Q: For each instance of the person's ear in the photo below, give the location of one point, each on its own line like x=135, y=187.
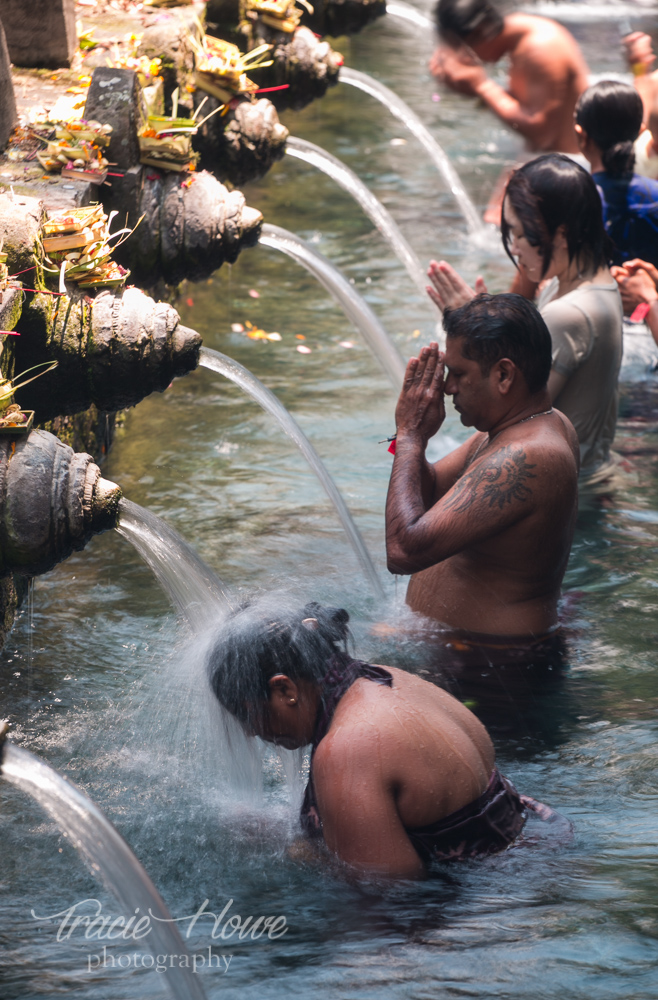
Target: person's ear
x=560, y=238
x=504, y=375
x=582, y=136
x=283, y=689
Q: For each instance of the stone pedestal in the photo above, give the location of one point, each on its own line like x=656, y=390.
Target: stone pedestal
x=20, y=224
x=40, y=32
x=8, y=115
x=115, y=98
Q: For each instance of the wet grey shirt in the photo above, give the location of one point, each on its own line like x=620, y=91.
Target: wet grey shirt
x=586, y=331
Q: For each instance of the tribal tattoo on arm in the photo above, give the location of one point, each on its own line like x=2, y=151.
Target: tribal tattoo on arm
x=499, y=479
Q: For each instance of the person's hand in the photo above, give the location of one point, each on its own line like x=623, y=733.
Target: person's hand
x=460, y=69
x=636, y=285
x=421, y=406
x=448, y=289
x=635, y=265
x=639, y=50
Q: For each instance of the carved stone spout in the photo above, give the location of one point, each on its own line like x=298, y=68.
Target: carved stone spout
x=112, y=351
x=52, y=500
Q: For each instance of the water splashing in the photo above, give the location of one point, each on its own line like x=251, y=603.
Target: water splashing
x=230, y=369
x=403, y=112
x=353, y=305
x=379, y=216
x=106, y=853
x=194, y=590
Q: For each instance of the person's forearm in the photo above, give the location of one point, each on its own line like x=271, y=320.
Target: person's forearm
x=408, y=499
x=509, y=110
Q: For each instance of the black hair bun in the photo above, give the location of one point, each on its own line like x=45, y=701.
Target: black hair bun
x=332, y=621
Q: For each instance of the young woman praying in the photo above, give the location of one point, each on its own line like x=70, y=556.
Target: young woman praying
x=552, y=228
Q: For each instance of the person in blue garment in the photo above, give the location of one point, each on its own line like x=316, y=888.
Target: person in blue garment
x=608, y=121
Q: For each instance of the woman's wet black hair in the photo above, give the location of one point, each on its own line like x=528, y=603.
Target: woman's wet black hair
x=260, y=640
x=478, y=20
x=553, y=191
x=610, y=112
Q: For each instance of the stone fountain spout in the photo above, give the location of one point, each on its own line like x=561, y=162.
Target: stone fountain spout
x=104, y=506
x=52, y=500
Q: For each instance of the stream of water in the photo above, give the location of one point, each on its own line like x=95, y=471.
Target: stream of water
x=404, y=11
x=354, y=306
x=310, y=153
x=230, y=369
x=193, y=588
x=410, y=120
x=117, y=700
x=111, y=860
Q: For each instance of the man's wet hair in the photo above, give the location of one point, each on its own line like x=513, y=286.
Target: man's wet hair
x=264, y=638
x=610, y=112
x=478, y=20
x=492, y=327
x=552, y=191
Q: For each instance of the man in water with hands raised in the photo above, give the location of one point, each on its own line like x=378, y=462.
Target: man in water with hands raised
x=486, y=531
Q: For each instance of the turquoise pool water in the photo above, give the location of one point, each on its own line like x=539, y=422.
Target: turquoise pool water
x=102, y=682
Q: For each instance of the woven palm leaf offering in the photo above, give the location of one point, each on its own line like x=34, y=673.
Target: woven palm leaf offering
x=77, y=151
x=76, y=247
x=221, y=69
x=14, y=420
x=166, y=140
x=282, y=15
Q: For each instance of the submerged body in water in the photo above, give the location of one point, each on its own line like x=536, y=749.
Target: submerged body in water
x=401, y=772
x=486, y=531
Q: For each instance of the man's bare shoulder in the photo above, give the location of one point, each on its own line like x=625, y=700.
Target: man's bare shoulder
x=546, y=440
x=518, y=466
x=545, y=41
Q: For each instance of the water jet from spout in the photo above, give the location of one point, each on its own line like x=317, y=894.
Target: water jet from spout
x=234, y=371
x=403, y=112
x=106, y=853
x=330, y=165
x=405, y=12
x=353, y=305
x=194, y=590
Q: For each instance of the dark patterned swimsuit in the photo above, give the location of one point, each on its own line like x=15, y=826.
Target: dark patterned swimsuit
x=488, y=824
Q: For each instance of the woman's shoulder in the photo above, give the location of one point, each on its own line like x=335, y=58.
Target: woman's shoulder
x=587, y=296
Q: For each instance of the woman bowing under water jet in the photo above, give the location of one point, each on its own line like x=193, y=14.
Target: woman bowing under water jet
x=402, y=774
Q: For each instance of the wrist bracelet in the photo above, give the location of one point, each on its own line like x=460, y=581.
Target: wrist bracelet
x=640, y=312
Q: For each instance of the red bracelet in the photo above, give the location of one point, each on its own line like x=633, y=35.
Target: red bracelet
x=640, y=312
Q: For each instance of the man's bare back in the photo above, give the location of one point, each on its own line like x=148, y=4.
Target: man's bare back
x=547, y=75
x=486, y=532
